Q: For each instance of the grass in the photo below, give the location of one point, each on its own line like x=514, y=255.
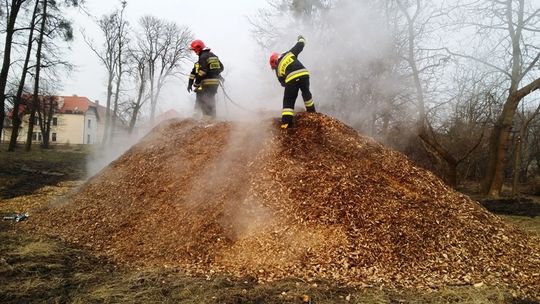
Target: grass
x=38, y=269
x=23, y=173
x=530, y=224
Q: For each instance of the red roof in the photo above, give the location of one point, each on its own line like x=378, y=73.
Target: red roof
x=79, y=104
x=68, y=105
x=73, y=104
x=22, y=108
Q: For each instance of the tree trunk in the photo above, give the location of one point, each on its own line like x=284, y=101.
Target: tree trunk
x=10, y=30
x=153, y=101
x=117, y=93
x=108, y=110
x=47, y=124
x=439, y=150
x=35, y=99
x=519, y=146
x=136, y=109
x=121, y=33
x=16, y=120
x=515, y=171
x=115, y=106
x=499, y=140
x=45, y=118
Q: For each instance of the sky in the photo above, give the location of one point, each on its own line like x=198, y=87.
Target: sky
x=222, y=25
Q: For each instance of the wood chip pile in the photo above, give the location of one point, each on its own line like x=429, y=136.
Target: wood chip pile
x=315, y=201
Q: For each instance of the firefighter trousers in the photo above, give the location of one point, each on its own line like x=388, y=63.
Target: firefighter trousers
x=289, y=99
x=206, y=100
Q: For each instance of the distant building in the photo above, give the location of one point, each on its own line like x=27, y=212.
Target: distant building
x=76, y=120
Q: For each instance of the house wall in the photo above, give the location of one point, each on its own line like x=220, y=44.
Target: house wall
x=91, y=127
x=23, y=129
x=6, y=135
x=69, y=129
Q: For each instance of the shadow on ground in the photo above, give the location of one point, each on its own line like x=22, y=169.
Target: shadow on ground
x=22, y=173
x=520, y=206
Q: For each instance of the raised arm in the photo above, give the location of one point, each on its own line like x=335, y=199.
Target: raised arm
x=299, y=46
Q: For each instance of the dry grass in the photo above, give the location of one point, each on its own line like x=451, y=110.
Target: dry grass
x=530, y=224
x=41, y=270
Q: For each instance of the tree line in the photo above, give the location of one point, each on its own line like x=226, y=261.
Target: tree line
x=137, y=59
x=33, y=33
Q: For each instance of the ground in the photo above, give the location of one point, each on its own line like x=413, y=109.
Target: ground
x=35, y=268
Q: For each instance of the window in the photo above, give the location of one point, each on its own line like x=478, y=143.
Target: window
x=36, y=136
x=53, y=136
x=55, y=121
x=87, y=139
x=36, y=121
x=89, y=123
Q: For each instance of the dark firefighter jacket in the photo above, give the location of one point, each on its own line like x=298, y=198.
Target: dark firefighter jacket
x=289, y=67
x=206, y=71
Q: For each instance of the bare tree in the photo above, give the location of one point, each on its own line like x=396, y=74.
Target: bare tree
x=514, y=54
x=121, y=48
x=421, y=17
x=35, y=98
x=108, y=55
x=16, y=119
x=53, y=25
x=165, y=46
x=47, y=107
x=140, y=75
x=527, y=119
x=12, y=11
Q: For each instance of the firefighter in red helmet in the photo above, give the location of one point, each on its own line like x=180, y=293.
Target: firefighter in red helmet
x=204, y=78
x=292, y=75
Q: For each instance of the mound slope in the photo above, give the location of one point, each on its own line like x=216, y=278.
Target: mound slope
x=318, y=200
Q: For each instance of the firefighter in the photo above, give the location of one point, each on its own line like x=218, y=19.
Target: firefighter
x=204, y=79
x=292, y=75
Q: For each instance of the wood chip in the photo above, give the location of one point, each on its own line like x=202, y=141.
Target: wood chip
x=314, y=201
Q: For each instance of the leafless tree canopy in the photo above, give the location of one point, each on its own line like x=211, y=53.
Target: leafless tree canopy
x=165, y=47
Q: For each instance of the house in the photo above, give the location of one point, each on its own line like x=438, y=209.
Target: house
x=76, y=120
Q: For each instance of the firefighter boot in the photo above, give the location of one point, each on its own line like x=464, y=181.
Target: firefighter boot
x=286, y=121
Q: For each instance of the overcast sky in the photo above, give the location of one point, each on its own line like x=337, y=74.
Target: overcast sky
x=223, y=25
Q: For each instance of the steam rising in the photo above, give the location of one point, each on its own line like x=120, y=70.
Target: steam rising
x=347, y=50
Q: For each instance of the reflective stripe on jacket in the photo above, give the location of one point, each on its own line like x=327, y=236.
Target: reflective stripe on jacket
x=289, y=67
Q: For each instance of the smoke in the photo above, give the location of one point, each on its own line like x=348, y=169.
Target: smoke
x=349, y=53
x=105, y=153
x=227, y=180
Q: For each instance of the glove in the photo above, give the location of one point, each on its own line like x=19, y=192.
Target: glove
x=301, y=39
x=189, y=88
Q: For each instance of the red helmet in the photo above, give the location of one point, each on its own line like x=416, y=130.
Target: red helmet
x=197, y=46
x=274, y=60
